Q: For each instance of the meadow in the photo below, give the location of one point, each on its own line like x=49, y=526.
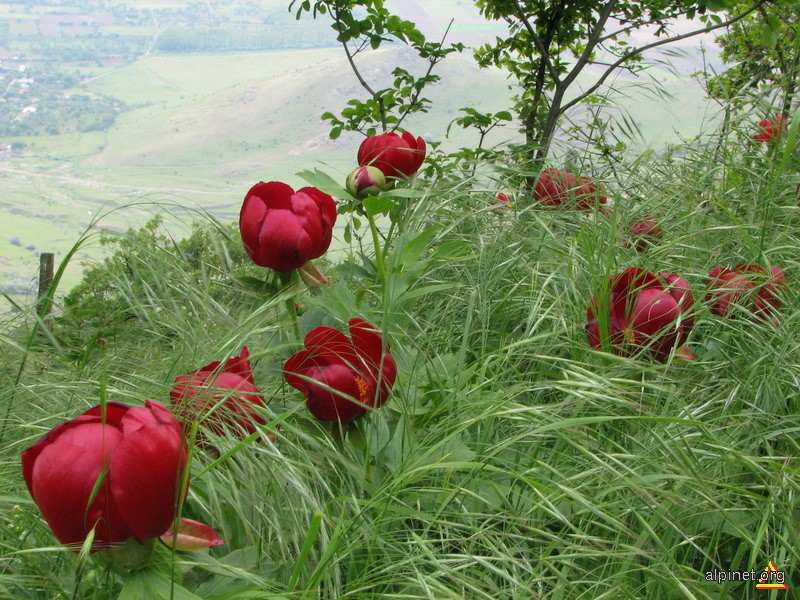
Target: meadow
x=511, y=460
x=542, y=405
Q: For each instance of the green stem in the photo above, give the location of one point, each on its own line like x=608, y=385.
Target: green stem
x=287, y=279
x=376, y=241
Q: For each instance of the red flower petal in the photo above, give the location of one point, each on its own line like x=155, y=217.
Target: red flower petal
x=333, y=346
x=144, y=475
x=274, y=194
x=260, y=199
x=593, y=333
x=643, y=313
x=238, y=365
x=389, y=373
x=555, y=187
x=64, y=478
x=342, y=402
x=332, y=371
x=393, y=154
x=680, y=291
x=728, y=286
x=625, y=289
x=369, y=344
x=325, y=203
x=220, y=397
x=113, y=414
x=655, y=312
x=297, y=365
x=367, y=341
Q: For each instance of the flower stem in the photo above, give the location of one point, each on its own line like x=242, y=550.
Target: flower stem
x=376, y=241
x=287, y=279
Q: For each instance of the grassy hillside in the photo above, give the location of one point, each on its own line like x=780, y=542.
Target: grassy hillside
x=512, y=460
x=486, y=400
x=208, y=126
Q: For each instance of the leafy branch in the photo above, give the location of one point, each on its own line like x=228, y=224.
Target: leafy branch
x=385, y=109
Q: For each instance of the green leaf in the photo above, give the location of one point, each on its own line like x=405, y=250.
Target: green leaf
x=308, y=543
x=149, y=584
x=411, y=249
x=769, y=38
x=377, y=435
x=348, y=237
x=400, y=445
x=452, y=251
x=716, y=5
x=135, y=587
x=378, y=205
x=324, y=182
x=416, y=36
x=774, y=22
x=428, y=289
x=404, y=193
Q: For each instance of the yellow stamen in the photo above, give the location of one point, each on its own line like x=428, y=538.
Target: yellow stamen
x=363, y=390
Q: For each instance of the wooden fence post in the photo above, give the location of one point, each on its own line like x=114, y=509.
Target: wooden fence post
x=46, y=263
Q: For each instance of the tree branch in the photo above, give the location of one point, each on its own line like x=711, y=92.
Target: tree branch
x=432, y=63
x=544, y=52
x=636, y=26
x=547, y=132
x=636, y=51
x=358, y=75
x=592, y=42
x=353, y=66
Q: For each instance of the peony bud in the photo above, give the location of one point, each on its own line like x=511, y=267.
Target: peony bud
x=366, y=181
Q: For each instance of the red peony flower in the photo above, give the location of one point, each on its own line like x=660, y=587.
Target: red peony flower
x=224, y=396
x=560, y=188
x=283, y=229
x=394, y=155
x=770, y=129
x=647, y=311
x=342, y=379
x=746, y=285
x=502, y=200
x=116, y=470
x=644, y=234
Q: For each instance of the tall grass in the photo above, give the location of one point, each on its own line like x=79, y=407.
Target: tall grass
x=512, y=461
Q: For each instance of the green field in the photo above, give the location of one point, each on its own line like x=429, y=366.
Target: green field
x=209, y=126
